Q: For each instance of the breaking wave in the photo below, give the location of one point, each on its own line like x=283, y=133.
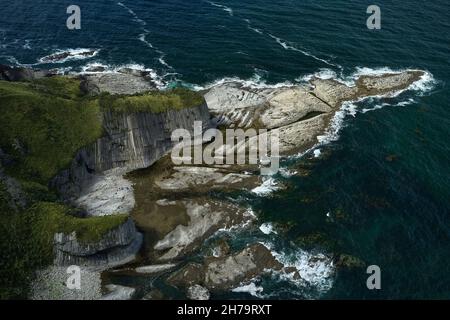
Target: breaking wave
x=224, y=8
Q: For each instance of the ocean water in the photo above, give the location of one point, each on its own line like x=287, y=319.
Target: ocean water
x=378, y=186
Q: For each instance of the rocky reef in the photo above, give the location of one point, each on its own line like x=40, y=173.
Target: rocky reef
x=172, y=206
x=300, y=113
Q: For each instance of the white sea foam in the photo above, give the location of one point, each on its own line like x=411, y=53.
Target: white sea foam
x=250, y=27
x=133, y=14
x=323, y=73
x=317, y=153
x=316, y=269
x=72, y=54
x=27, y=45
x=267, y=187
x=225, y=8
x=248, y=217
x=350, y=108
x=287, y=173
x=154, y=76
x=142, y=38
x=288, y=46
x=250, y=288
x=255, y=82
x=267, y=228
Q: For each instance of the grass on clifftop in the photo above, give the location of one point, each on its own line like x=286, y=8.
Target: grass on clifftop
x=154, y=101
x=44, y=123
x=26, y=240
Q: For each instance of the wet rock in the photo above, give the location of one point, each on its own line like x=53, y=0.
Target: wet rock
x=186, y=178
x=96, y=68
x=345, y=261
x=227, y=272
x=189, y=275
x=206, y=218
x=117, y=292
x=301, y=113
x=63, y=55
x=155, y=294
x=155, y=268
x=220, y=248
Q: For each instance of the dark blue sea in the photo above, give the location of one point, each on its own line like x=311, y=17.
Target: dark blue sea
x=380, y=188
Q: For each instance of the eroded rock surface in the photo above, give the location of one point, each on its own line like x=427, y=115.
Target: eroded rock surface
x=205, y=218
x=227, y=272
x=117, y=247
x=300, y=112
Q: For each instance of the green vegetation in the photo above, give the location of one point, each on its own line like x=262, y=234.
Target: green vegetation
x=43, y=124
x=43, y=130
x=154, y=101
x=26, y=240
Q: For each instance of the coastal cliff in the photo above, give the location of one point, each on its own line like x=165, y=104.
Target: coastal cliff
x=59, y=142
x=94, y=136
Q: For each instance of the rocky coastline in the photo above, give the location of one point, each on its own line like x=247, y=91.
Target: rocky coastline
x=172, y=212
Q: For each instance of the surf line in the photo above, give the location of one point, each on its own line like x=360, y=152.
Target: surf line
x=146, y=32
x=224, y=8
x=287, y=46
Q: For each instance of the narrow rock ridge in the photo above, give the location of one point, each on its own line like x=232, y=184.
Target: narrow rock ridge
x=289, y=109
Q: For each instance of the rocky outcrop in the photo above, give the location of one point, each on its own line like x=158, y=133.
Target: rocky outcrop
x=227, y=272
x=186, y=178
x=62, y=56
x=205, y=218
x=116, y=247
x=301, y=113
x=131, y=141
x=8, y=73
x=116, y=83
x=117, y=292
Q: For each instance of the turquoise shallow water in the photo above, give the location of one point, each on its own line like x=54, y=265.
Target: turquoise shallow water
x=384, y=183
